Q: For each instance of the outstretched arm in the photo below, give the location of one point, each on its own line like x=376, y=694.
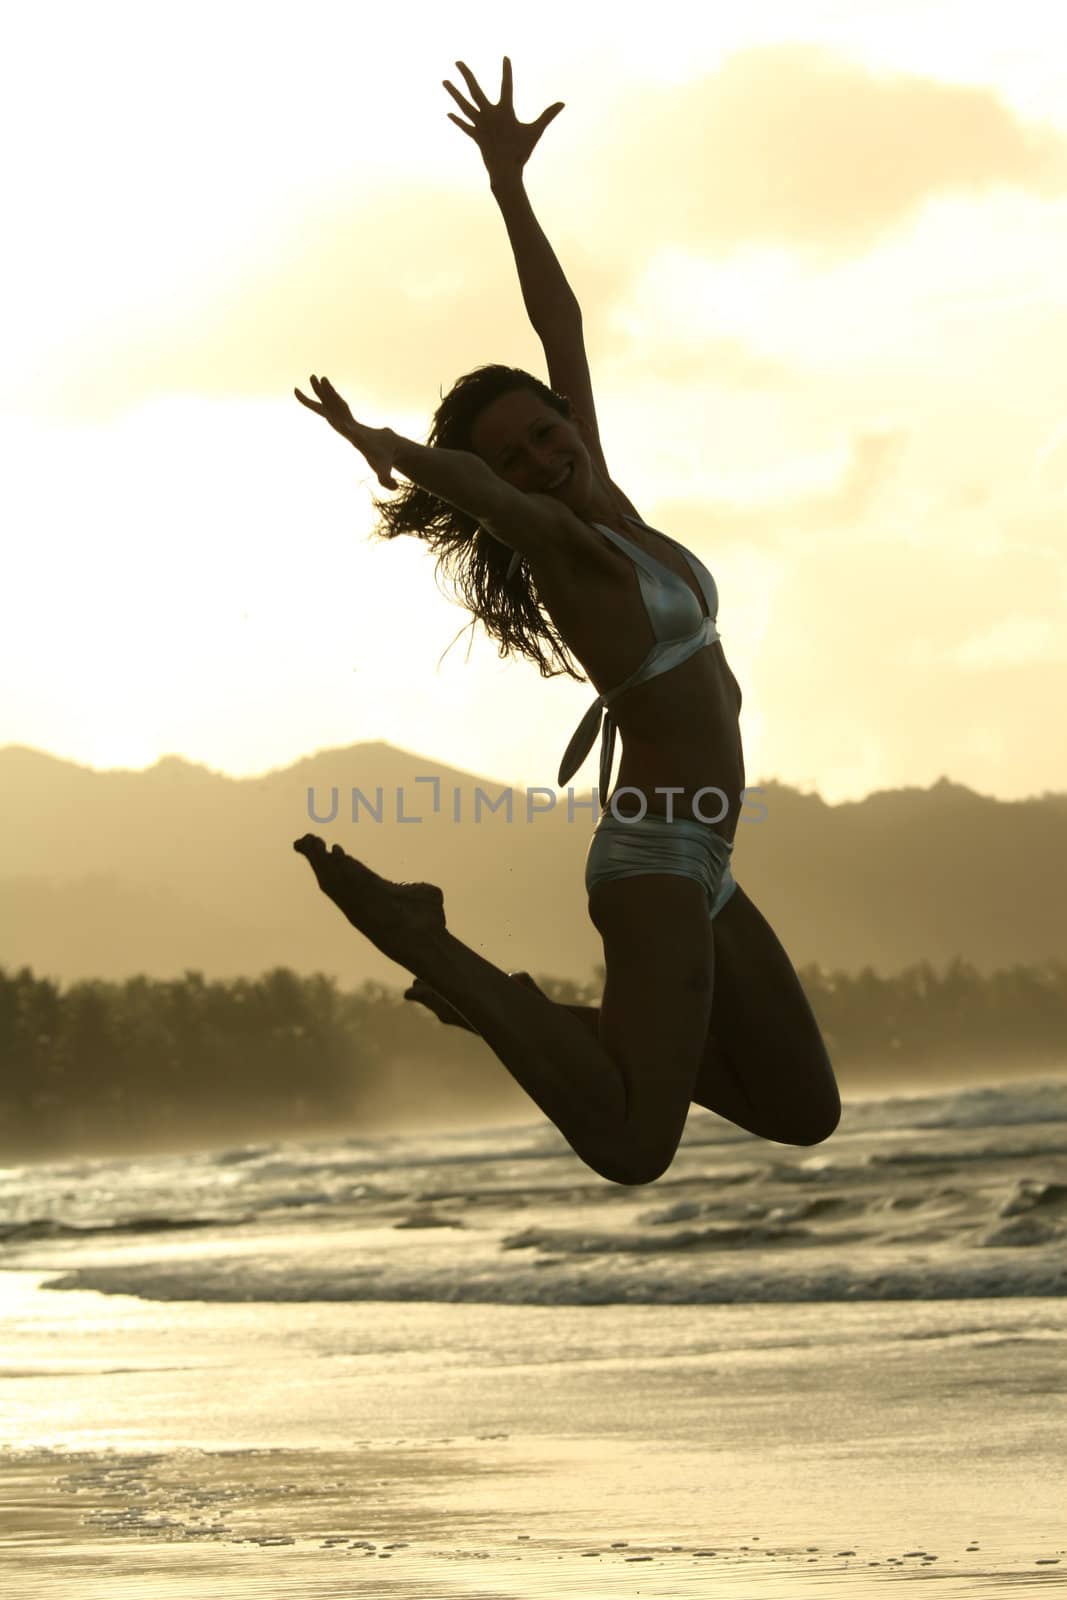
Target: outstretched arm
x=506, y=145
x=528, y=523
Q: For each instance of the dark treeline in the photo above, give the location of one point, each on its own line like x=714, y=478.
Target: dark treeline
x=150, y=1063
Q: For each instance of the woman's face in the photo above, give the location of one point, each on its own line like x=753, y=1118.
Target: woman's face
x=532, y=447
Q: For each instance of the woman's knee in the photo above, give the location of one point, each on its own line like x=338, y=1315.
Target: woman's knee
x=814, y=1125
x=633, y=1177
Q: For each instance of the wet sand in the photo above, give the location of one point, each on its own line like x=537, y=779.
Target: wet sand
x=428, y=1520
x=497, y=1451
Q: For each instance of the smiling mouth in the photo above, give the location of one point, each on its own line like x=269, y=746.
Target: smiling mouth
x=564, y=477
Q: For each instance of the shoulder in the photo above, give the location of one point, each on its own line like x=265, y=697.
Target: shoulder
x=546, y=532
x=529, y=523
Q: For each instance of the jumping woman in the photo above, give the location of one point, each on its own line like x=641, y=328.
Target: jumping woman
x=701, y=1003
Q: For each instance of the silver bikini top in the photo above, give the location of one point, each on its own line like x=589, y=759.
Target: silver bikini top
x=680, y=627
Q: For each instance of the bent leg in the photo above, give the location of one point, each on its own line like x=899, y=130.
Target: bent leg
x=765, y=1064
x=621, y=1099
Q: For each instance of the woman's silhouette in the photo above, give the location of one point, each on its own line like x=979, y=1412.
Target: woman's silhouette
x=701, y=1003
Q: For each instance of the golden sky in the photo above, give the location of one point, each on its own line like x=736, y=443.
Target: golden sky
x=821, y=251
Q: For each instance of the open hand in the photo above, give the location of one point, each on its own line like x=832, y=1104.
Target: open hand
x=376, y=445
x=505, y=142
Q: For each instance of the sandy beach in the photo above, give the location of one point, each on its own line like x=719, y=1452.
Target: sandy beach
x=265, y=1407
x=835, y=1452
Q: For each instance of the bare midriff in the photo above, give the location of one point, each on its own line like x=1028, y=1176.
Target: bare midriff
x=680, y=731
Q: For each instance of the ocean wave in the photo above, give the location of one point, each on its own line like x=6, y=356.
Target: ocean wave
x=1032, y=1194
x=1022, y=1231
x=579, y=1282
x=990, y=1105
x=41, y=1228
x=952, y=1162
x=883, y=1211
x=739, y=1236
x=243, y=1153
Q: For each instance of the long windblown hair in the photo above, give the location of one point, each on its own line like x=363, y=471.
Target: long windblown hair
x=475, y=563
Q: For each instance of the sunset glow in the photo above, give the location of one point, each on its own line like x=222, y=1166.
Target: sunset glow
x=822, y=261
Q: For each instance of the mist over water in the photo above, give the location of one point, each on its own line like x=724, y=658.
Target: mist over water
x=168, y=1064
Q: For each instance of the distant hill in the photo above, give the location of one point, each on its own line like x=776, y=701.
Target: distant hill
x=111, y=873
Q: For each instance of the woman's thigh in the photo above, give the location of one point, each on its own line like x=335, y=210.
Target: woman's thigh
x=765, y=1065
x=659, y=961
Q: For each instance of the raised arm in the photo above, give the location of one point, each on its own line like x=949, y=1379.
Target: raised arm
x=506, y=144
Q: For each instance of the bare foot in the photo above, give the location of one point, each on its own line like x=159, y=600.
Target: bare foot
x=398, y=918
x=444, y=1010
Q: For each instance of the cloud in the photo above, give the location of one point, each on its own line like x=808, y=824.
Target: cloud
x=886, y=624
x=874, y=457
x=1010, y=642
x=939, y=653
x=797, y=146
x=396, y=292
x=392, y=297
x=729, y=362
x=1050, y=462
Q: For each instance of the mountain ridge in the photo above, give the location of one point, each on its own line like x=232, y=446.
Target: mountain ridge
x=108, y=872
